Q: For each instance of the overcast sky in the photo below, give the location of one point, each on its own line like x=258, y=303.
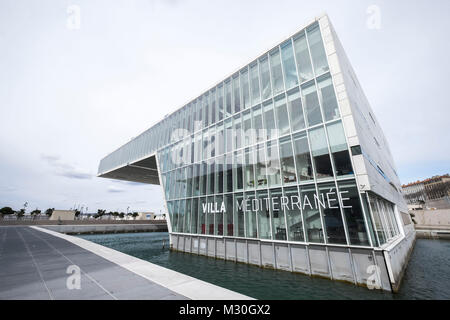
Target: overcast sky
x=72, y=93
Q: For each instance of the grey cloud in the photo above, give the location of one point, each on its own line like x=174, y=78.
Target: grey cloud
x=115, y=189
x=65, y=169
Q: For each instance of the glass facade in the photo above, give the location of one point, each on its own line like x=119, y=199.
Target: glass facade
x=263, y=155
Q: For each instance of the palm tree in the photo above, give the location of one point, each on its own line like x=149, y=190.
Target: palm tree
x=35, y=213
x=20, y=213
x=49, y=211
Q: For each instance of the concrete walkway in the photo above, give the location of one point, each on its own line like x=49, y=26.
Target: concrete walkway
x=34, y=264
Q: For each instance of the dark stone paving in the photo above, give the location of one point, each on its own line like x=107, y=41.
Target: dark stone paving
x=34, y=265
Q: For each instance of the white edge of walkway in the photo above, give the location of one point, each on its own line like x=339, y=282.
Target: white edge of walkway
x=187, y=286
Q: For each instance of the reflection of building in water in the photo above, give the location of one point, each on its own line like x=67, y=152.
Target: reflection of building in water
x=283, y=165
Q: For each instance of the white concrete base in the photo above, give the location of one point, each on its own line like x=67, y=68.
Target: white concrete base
x=187, y=286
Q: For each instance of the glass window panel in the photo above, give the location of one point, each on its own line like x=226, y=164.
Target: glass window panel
x=228, y=101
x=209, y=213
x=287, y=161
x=212, y=142
x=294, y=215
x=254, y=82
x=282, y=116
x=273, y=164
x=206, y=111
x=237, y=132
x=247, y=128
x=204, y=178
x=228, y=174
x=311, y=213
x=317, y=50
x=296, y=110
x=260, y=167
x=213, y=107
x=312, y=106
x=197, y=179
x=211, y=180
x=320, y=154
x=236, y=94
x=181, y=212
x=220, y=139
x=303, y=58
x=175, y=216
x=229, y=135
x=265, y=78
x=245, y=93
x=278, y=221
x=239, y=228
x=329, y=204
x=379, y=225
x=220, y=103
x=238, y=171
x=327, y=96
x=218, y=216
x=339, y=150
x=201, y=215
x=250, y=216
x=205, y=147
x=277, y=73
x=199, y=113
x=290, y=71
x=353, y=212
x=187, y=217
x=269, y=122
x=259, y=132
x=194, y=216
x=303, y=157
x=228, y=215
x=220, y=173
x=249, y=174
x=262, y=208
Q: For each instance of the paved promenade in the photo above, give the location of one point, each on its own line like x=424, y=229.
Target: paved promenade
x=34, y=264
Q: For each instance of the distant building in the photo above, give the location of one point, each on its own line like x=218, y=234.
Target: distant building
x=145, y=216
x=63, y=215
x=428, y=190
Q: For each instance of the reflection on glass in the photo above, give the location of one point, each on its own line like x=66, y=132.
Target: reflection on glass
x=260, y=166
x=238, y=175
x=245, y=90
x=228, y=176
x=250, y=216
x=265, y=78
x=317, y=50
x=302, y=56
x=312, y=106
x=259, y=132
x=236, y=94
x=354, y=215
x=194, y=216
x=277, y=74
x=273, y=164
x=218, y=216
x=254, y=82
x=339, y=150
x=328, y=98
x=287, y=161
x=296, y=110
x=290, y=72
x=262, y=207
x=282, y=116
x=228, y=215
x=329, y=204
x=269, y=122
x=209, y=215
x=278, y=222
x=294, y=215
x=320, y=154
x=311, y=214
x=247, y=128
x=228, y=98
x=249, y=175
x=201, y=215
x=239, y=214
x=303, y=157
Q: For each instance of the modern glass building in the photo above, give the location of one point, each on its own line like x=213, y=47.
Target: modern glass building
x=282, y=165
